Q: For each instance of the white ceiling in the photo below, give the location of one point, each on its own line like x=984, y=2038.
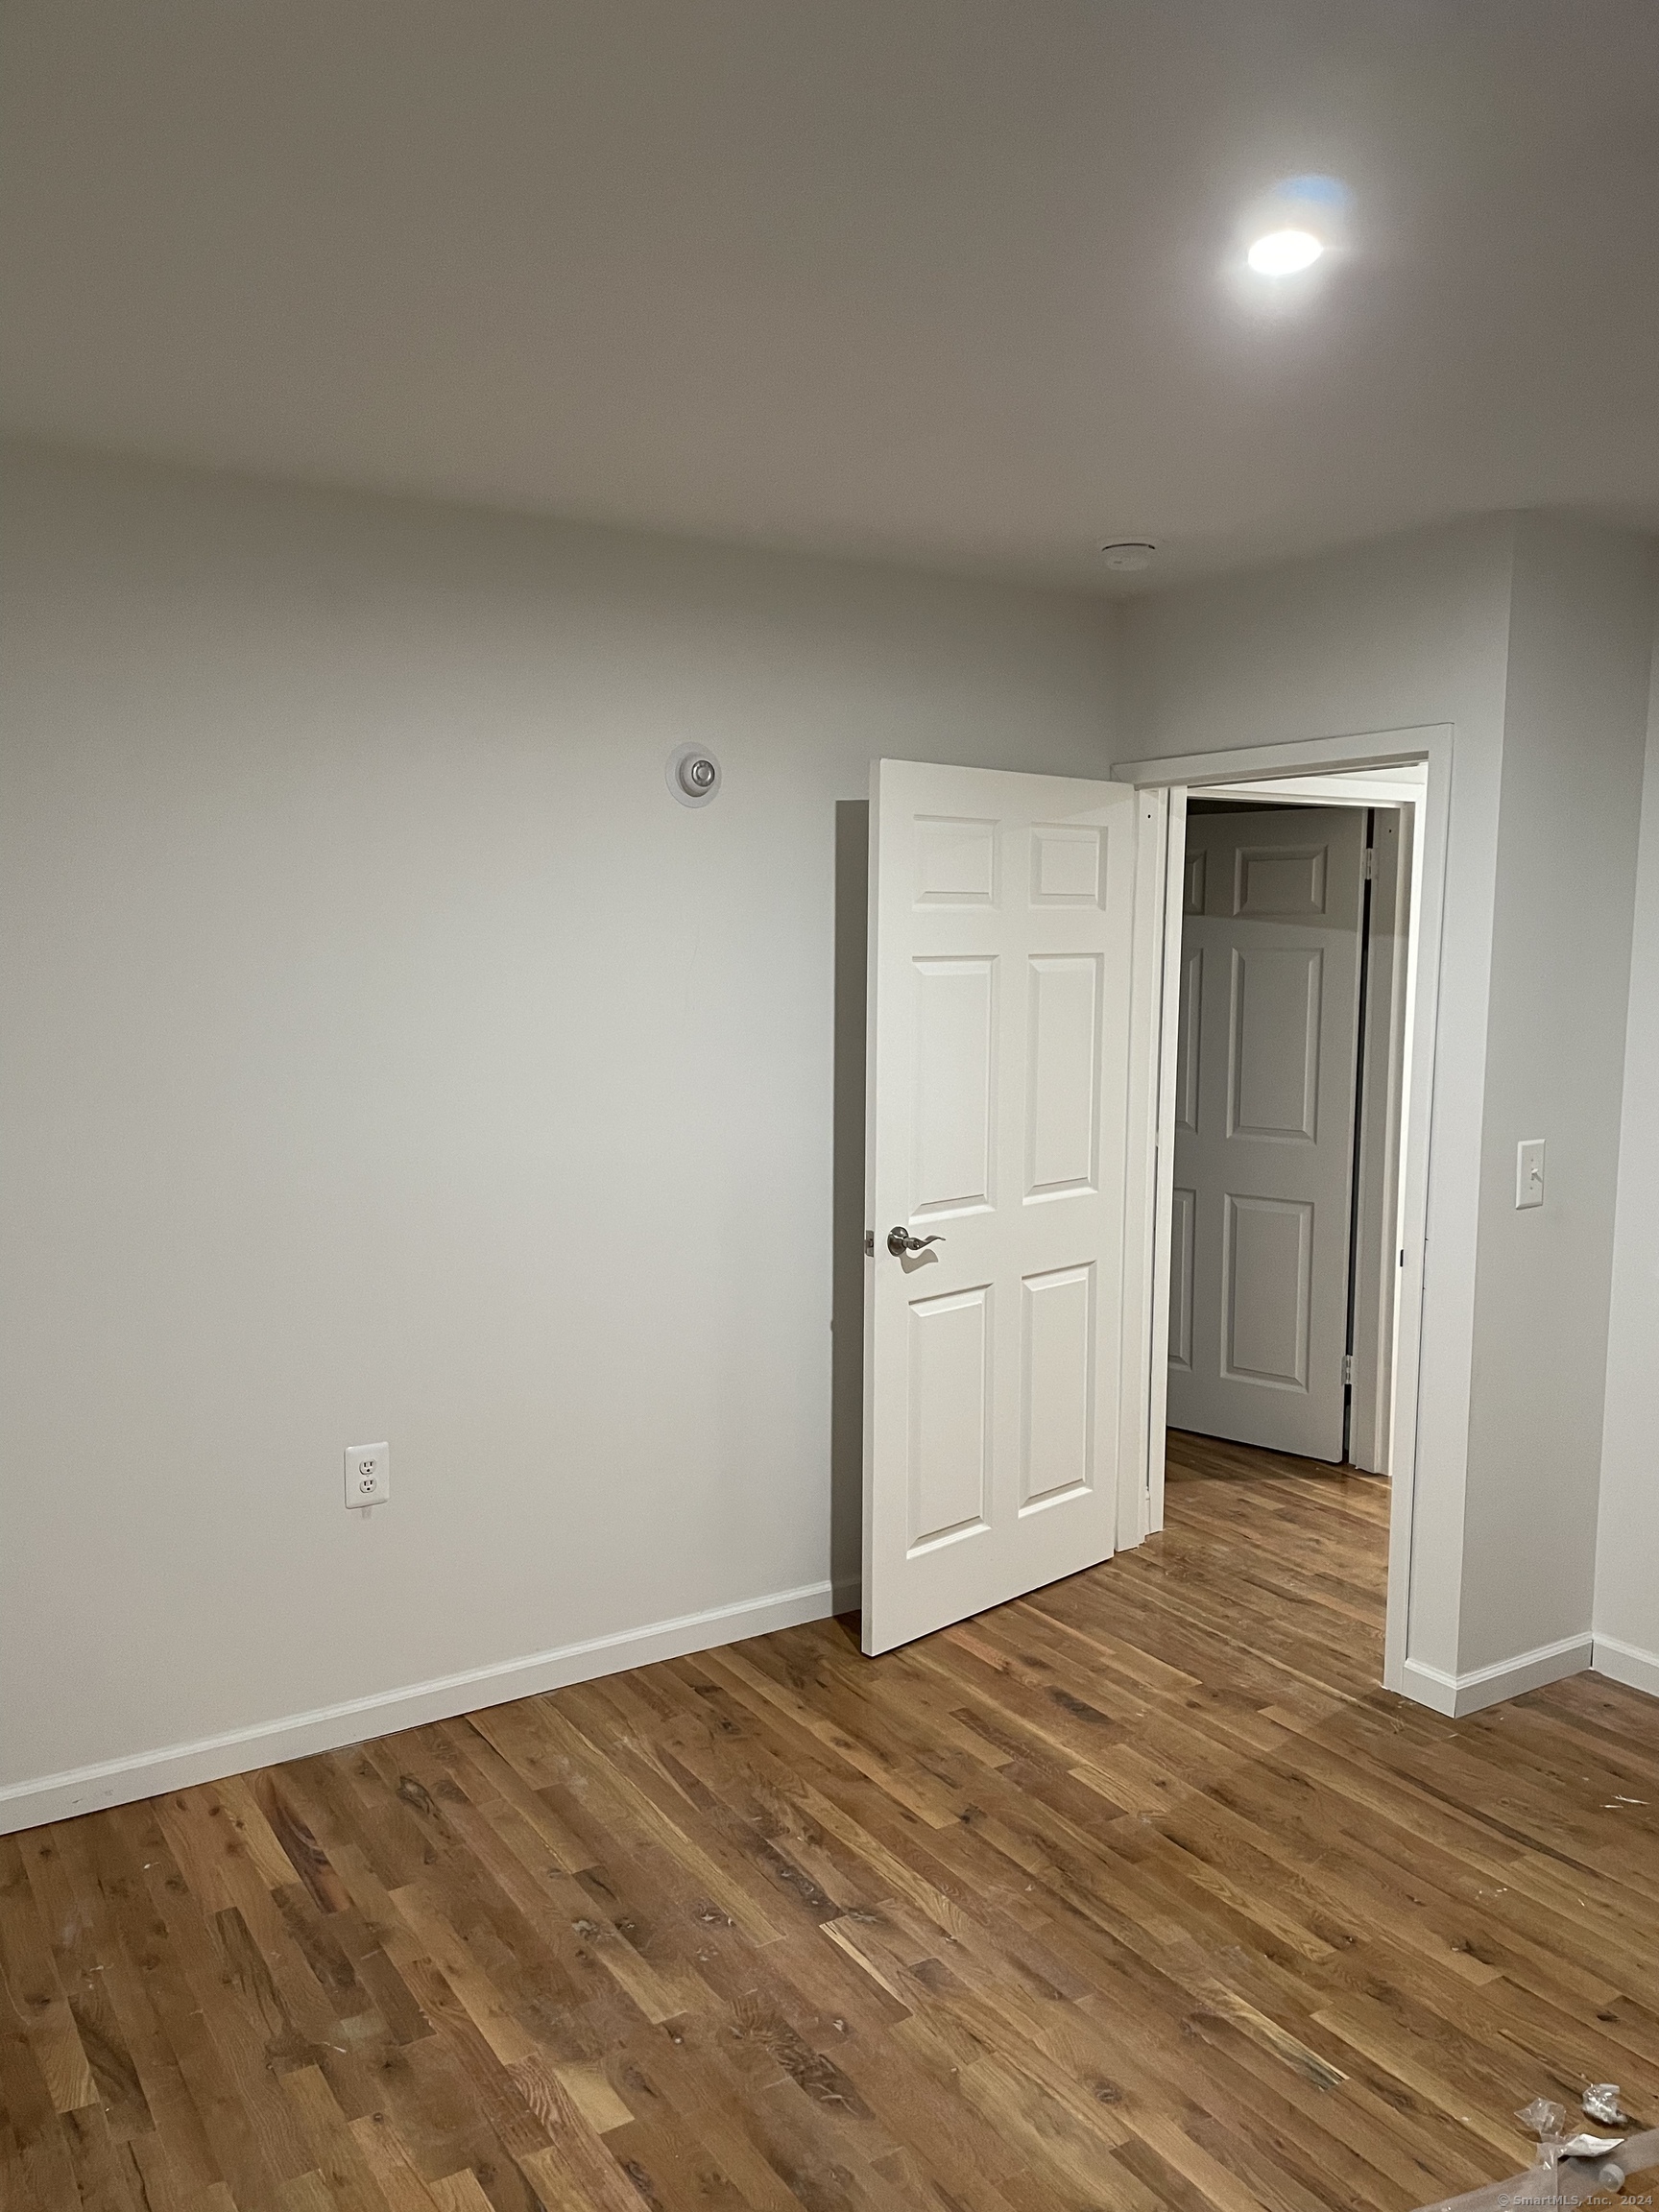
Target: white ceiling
x=944, y=279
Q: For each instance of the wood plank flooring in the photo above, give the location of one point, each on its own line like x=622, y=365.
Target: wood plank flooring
x=1137, y=1893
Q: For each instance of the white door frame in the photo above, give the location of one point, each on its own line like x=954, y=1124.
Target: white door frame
x=1170, y=780
x=1386, y=1048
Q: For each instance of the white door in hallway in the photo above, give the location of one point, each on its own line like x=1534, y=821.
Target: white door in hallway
x=1002, y=913
x=1265, y=1104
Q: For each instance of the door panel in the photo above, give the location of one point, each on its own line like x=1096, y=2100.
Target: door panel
x=1183, y=1207
x=955, y=861
x=1066, y=865
x=1274, y=1045
x=1062, y=1112
x=1002, y=912
x=1268, y=1273
x=1057, y=1414
x=1280, y=882
x=949, y=1414
x=955, y=1089
x=1264, y=1126
x=1187, y=1055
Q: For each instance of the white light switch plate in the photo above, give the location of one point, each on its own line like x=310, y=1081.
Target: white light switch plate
x=368, y=1474
x=1529, y=1173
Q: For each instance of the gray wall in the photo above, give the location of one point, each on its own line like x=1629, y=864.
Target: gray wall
x=1576, y=713
x=1627, y=1566
x=1531, y=637
x=387, y=1055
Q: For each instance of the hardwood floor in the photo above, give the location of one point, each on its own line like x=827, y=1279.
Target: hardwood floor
x=1137, y=1893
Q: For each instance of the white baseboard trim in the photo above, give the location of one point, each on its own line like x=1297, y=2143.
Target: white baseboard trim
x=1627, y=1663
x=1456, y=1694
x=182, y=1766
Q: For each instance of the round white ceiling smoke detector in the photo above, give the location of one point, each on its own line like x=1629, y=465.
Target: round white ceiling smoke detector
x=1132, y=553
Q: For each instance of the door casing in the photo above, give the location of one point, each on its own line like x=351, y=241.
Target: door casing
x=1396, y=794
x=1172, y=778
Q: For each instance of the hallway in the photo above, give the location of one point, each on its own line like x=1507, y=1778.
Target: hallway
x=1330, y=1524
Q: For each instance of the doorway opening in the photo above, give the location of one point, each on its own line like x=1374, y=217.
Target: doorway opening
x=1301, y=917
x=1289, y=1087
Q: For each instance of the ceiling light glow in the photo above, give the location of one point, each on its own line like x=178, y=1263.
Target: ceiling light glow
x=1285, y=252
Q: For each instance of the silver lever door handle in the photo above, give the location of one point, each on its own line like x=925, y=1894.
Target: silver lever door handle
x=900, y=1241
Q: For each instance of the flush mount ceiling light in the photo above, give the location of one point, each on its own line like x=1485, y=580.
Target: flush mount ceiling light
x=1285, y=252
x=1298, y=223
x=1131, y=553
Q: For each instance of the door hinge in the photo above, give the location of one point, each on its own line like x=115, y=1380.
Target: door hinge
x=1370, y=863
x=1347, y=1366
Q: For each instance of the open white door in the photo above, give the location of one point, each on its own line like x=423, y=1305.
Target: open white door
x=1001, y=947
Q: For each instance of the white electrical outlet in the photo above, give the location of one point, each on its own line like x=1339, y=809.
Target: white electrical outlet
x=368, y=1474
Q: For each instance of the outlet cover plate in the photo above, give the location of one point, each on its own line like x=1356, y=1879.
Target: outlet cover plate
x=368, y=1474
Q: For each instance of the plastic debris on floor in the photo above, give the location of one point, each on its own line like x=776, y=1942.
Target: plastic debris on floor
x=1568, y=2168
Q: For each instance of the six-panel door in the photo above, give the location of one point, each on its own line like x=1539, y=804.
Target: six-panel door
x=1265, y=1104
x=1001, y=922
